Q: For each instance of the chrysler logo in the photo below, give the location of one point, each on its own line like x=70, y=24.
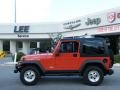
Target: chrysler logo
x=72, y=24
x=111, y=17
x=71, y=27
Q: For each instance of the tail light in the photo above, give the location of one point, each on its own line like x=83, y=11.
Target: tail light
x=105, y=60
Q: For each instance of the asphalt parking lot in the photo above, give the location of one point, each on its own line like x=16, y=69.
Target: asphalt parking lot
x=10, y=81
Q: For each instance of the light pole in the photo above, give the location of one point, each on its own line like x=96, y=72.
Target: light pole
x=15, y=11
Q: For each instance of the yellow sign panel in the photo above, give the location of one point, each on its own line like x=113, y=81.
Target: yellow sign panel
x=2, y=54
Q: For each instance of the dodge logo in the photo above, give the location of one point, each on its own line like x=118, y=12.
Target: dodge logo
x=111, y=17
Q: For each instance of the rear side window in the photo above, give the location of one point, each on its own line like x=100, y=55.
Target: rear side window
x=93, y=48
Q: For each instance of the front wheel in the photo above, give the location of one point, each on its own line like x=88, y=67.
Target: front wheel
x=93, y=76
x=29, y=75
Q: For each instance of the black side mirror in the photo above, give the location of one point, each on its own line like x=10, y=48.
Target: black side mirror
x=58, y=53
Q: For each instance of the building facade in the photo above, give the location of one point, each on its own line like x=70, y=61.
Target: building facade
x=24, y=37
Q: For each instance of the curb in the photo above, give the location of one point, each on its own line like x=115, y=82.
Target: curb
x=116, y=65
x=10, y=63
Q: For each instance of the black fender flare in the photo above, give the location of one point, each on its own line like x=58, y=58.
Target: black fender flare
x=34, y=63
x=87, y=63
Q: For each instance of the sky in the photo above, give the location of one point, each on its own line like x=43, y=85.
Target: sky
x=40, y=11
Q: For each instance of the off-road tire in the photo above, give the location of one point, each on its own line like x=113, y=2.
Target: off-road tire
x=36, y=73
x=87, y=72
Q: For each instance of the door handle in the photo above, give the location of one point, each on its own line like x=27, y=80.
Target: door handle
x=74, y=55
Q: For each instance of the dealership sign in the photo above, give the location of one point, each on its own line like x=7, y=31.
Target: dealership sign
x=108, y=29
x=94, y=21
x=112, y=16
x=72, y=24
x=21, y=31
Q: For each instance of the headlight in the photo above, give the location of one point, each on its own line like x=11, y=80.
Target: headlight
x=20, y=62
x=22, y=59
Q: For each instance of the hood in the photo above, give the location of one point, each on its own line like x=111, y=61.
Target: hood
x=37, y=56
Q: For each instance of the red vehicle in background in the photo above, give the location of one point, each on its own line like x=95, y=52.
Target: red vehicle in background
x=87, y=57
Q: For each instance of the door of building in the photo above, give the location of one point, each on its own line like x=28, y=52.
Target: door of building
x=6, y=46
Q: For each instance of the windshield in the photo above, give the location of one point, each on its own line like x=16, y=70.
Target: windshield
x=47, y=49
x=53, y=46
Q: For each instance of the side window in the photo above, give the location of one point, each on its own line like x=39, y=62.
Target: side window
x=69, y=47
x=93, y=47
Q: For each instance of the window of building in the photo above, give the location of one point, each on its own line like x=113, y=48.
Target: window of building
x=20, y=44
x=6, y=45
x=69, y=47
x=33, y=44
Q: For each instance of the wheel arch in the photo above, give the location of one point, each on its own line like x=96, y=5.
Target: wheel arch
x=35, y=64
x=96, y=63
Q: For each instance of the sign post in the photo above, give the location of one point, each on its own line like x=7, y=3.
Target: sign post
x=15, y=58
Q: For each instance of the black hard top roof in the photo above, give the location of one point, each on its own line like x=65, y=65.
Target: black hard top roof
x=82, y=38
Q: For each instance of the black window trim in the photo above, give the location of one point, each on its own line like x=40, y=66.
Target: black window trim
x=71, y=41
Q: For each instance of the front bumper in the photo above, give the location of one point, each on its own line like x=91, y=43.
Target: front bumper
x=15, y=71
x=17, y=68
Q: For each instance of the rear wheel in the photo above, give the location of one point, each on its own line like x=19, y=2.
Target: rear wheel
x=93, y=76
x=29, y=75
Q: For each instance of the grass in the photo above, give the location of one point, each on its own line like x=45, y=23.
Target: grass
x=117, y=58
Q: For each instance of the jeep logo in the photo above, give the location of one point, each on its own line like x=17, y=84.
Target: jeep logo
x=94, y=21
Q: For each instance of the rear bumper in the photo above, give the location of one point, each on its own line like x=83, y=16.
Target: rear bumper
x=110, y=72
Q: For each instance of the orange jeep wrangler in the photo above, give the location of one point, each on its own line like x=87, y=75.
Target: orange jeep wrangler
x=87, y=57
